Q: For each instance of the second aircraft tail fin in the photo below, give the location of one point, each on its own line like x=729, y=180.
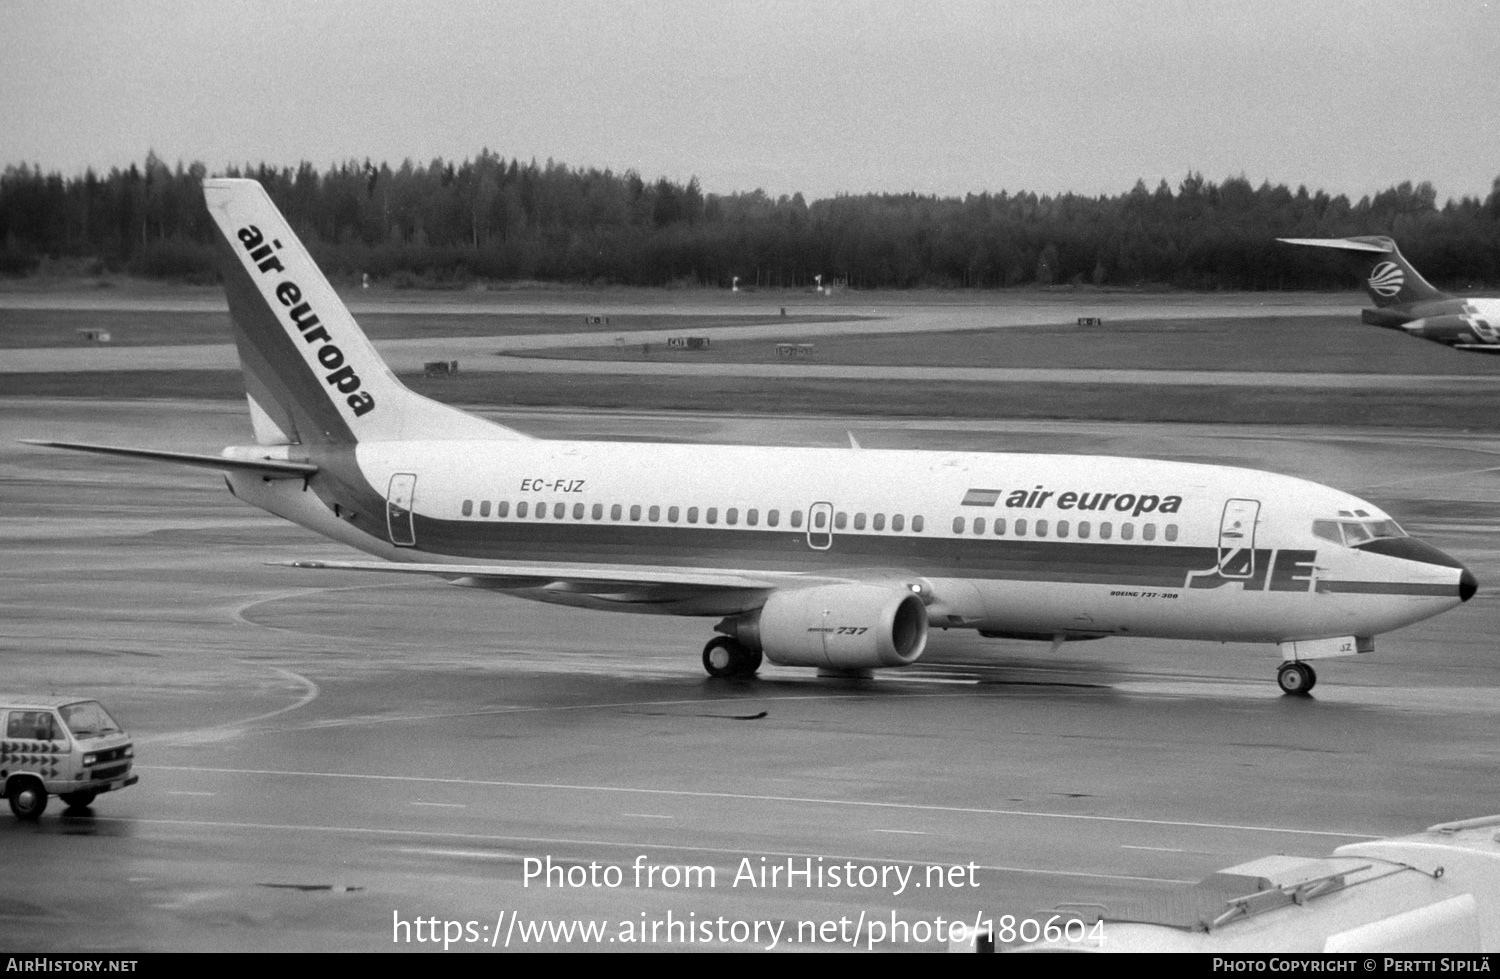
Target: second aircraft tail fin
x=1389, y=279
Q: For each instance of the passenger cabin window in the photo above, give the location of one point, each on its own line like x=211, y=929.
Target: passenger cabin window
x=1021, y=527
x=635, y=512
x=879, y=521
x=732, y=516
x=468, y=507
x=1171, y=531
x=752, y=517
x=672, y=514
x=1083, y=530
x=692, y=514
x=503, y=510
x=598, y=512
x=819, y=519
x=1062, y=528
x=654, y=514
x=712, y=516
x=1148, y=531
x=1105, y=529
x=773, y=518
x=1127, y=531
x=484, y=508
x=916, y=525
x=978, y=525
x=521, y=509
x=840, y=520
x=796, y=519
x=999, y=526
x=541, y=511
x=1041, y=528
x=615, y=512
x=559, y=510
x=898, y=523
x=578, y=511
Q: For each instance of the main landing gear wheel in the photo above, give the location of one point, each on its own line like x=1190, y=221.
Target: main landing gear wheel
x=723, y=657
x=1296, y=679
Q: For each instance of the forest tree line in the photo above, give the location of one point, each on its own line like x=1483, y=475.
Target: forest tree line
x=504, y=220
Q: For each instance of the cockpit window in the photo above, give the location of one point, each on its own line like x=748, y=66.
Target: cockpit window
x=1356, y=532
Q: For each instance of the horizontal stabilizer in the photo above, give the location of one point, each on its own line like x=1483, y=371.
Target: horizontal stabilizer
x=1343, y=244
x=269, y=468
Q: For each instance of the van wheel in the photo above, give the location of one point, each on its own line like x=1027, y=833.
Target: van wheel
x=28, y=799
x=77, y=800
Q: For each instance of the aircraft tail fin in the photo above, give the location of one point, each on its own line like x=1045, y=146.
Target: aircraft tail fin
x=1389, y=279
x=311, y=374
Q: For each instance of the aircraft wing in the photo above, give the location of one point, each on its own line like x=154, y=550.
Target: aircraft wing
x=269, y=468
x=1342, y=244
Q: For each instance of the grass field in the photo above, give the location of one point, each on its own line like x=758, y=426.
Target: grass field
x=1336, y=344
x=1437, y=410
x=1271, y=343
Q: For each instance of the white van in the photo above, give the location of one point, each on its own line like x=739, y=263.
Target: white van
x=60, y=746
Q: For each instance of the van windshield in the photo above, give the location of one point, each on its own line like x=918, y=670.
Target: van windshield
x=88, y=720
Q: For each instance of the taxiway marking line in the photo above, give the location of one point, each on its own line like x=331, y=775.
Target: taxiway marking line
x=189, y=793
x=732, y=853
x=464, y=854
x=645, y=815
x=443, y=805
x=1158, y=849
x=746, y=797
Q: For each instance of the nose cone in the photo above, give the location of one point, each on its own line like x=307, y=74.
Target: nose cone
x=1467, y=585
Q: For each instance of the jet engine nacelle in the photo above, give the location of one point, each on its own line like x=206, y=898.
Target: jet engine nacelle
x=843, y=627
x=1444, y=329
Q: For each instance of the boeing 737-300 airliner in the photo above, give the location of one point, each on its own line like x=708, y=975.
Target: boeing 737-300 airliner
x=839, y=559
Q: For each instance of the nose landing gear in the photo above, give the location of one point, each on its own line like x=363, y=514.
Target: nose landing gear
x=1295, y=679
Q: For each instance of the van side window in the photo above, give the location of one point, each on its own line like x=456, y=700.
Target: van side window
x=32, y=725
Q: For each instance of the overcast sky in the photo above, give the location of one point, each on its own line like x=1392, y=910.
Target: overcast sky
x=946, y=97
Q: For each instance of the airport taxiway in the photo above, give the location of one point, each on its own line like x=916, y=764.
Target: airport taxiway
x=323, y=755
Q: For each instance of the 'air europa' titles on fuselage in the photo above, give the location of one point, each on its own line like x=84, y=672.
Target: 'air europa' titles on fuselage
x=1135, y=503
x=341, y=375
